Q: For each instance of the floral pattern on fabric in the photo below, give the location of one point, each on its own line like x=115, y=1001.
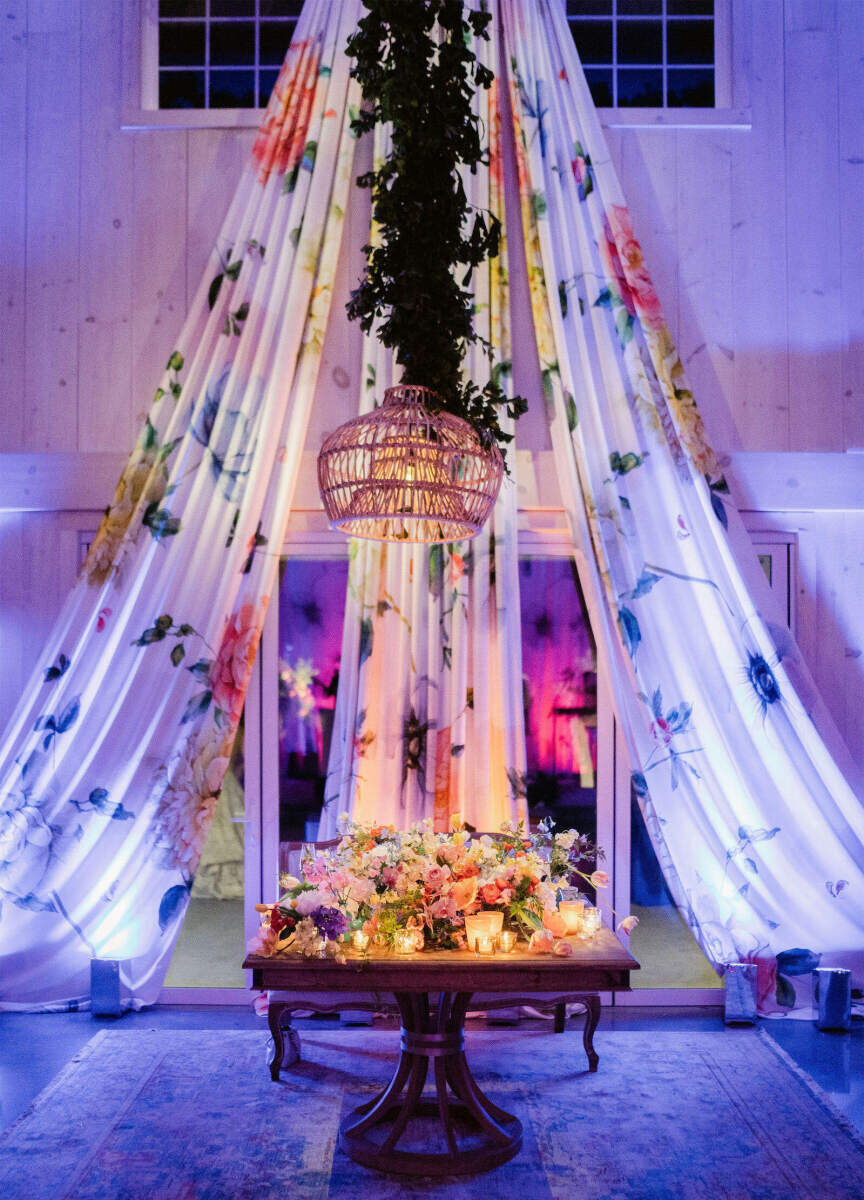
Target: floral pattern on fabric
x=720, y=715
x=111, y=769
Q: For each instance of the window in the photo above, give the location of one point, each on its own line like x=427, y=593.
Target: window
x=221, y=53
x=647, y=53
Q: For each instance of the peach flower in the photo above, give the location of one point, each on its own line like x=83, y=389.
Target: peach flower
x=542, y=942
x=563, y=949
x=232, y=670
x=464, y=892
x=554, y=922
x=599, y=879
x=628, y=924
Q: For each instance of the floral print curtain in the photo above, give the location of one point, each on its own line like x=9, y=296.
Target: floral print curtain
x=113, y=762
x=742, y=780
x=429, y=714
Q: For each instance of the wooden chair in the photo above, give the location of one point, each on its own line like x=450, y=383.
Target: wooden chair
x=283, y=1005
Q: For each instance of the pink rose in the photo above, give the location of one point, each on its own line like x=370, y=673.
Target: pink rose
x=490, y=893
x=563, y=949
x=436, y=877
x=542, y=942
x=622, y=255
x=628, y=924
x=232, y=670
x=554, y=922
x=599, y=879
x=449, y=852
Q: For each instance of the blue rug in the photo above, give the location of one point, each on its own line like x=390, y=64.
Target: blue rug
x=155, y=1115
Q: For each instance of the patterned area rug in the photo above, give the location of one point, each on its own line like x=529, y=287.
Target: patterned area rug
x=193, y=1116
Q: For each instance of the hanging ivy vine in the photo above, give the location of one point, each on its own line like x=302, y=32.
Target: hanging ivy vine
x=418, y=73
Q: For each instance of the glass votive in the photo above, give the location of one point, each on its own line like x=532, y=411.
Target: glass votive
x=507, y=941
x=572, y=912
x=360, y=941
x=404, y=941
x=477, y=924
x=591, y=921
x=484, y=943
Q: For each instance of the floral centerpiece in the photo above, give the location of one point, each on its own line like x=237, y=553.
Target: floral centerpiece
x=380, y=879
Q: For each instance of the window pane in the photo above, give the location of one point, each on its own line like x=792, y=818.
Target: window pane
x=232, y=8
x=559, y=685
x=281, y=8
x=690, y=89
x=593, y=40
x=690, y=42
x=668, y=953
x=266, y=83
x=232, y=44
x=600, y=83
x=181, y=44
x=209, y=949
x=639, y=8
x=181, y=89
x=232, y=89
x=690, y=8
x=582, y=8
x=640, y=89
x=275, y=39
x=181, y=8
x=640, y=42
x=311, y=615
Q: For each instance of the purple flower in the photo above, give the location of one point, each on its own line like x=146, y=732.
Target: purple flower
x=331, y=923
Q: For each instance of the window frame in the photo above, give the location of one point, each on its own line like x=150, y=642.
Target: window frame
x=141, y=87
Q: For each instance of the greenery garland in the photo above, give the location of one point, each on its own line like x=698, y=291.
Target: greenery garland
x=414, y=62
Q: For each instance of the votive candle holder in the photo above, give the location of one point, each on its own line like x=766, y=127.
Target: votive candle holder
x=478, y=924
x=405, y=941
x=507, y=941
x=484, y=944
x=360, y=941
x=572, y=911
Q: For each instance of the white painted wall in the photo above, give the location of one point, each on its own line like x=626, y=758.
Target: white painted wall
x=754, y=234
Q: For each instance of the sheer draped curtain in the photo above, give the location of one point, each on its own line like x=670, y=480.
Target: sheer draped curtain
x=113, y=762
x=429, y=716
x=745, y=787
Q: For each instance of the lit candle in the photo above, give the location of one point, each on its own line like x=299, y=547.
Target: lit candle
x=477, y=924
x=507, y=941
x=592, y=921
x=572, y=912
x=360, y=941
x=484, y=943
x=405, y=941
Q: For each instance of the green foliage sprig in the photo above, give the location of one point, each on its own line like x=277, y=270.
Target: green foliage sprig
x=418, y=73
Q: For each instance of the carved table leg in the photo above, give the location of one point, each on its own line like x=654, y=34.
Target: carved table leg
x=274, y=1020
x=431, y=1036
x=592, y=1017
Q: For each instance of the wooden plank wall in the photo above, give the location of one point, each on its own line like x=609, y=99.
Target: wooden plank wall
x=754, y=235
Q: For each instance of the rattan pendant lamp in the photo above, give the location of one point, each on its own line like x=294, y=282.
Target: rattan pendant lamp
x=425, y=466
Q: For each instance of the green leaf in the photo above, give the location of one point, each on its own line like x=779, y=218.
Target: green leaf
x=177, y=654
x=233, y=269
x=151, y=437
x=196, y=706
x=367, y=637
x=294, y=235
x=572, y=414
x=213, y=292
x=624, y=325
x=290, y=182
x=538, y=204
x=175, y=362
x=160, y=392
x=562, y=297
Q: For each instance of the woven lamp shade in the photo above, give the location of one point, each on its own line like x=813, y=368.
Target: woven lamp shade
x=404, y=473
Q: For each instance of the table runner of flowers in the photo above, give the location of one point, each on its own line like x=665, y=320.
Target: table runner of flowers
x=381, y=880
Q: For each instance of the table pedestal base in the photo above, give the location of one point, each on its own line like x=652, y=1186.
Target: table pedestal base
x=433, y=1036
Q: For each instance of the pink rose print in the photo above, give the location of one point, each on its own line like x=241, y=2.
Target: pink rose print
x=623, y=258
x=232, y=670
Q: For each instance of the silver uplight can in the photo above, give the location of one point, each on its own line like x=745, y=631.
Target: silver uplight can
x=833, y=998
x=740, y=994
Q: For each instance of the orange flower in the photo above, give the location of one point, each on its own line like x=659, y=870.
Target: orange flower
x=554, y=922
x=232, y=670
